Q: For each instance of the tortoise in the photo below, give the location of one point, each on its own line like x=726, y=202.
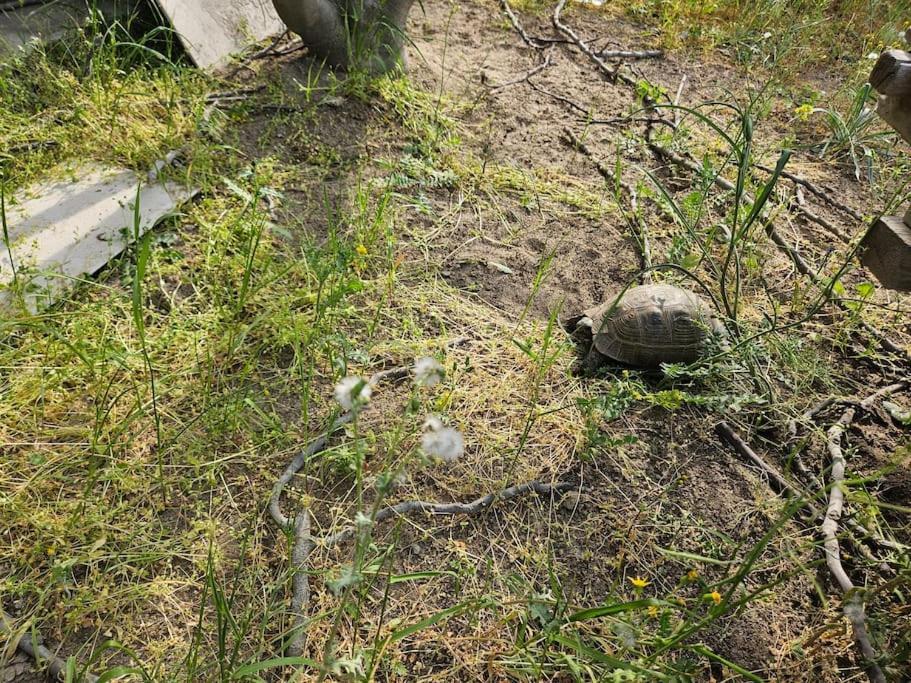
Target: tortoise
x=648, y=325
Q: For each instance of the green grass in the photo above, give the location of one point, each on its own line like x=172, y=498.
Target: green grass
x=810, y=31
x=144, y=419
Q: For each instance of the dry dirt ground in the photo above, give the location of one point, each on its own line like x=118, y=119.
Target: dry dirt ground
x=529, y=231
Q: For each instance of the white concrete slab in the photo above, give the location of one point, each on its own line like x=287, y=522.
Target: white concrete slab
x=22, y=26
x=213, y=30
x=61, y=230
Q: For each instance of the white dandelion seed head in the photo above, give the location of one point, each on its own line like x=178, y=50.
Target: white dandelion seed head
x=362, y=521
x=352, y=392
x=428, y=372
x=853, y=610
x=433, y=423
x=442, y=442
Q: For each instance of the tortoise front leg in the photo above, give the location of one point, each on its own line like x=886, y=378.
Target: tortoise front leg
x=592, y=362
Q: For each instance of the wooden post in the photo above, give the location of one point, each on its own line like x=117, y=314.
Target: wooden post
x=891, y=76
x=886, y=248
x=887, y=252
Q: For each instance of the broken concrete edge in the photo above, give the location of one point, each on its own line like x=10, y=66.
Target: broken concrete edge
x=63, y=231
x=22, y=26
x=212, y=31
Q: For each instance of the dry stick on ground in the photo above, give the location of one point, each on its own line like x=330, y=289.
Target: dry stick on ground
x=474, y=507
x=782, y=244
x=727, y=433
x=517, y=25
x=824, y=223
x=735, y=441
x=897, y=413
x=613, y=74
x=632, y=216
x=524, y=78
x=823, y=194
x=853, y=605
x=304, y=542
x=630, y=54
x=56, y=666
x=560, y=98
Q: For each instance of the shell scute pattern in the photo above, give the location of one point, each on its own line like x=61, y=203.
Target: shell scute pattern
x=653, y=324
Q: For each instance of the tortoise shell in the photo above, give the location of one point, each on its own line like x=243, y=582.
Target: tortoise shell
x=651, y=325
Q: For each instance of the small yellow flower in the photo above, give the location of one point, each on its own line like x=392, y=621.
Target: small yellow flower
x=803, y=111
x=714, y=596
x=361, y=250
x=638, y=582
x=653, y=611
x=51, y=550
x=692, y=574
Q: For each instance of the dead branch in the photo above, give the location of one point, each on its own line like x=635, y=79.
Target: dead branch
x=824, y=194
x=524, y=78
x=853, y=605
x=616, y=120
x=631, y=54
x=633, y=218
x=56, y=666
x=305, y=543
x=824, y=223
x=560, y=98
x=897, y=413
x=535, y=43
x=474, y=507
x=612, y=74
x=783, y=244
x=735, y=441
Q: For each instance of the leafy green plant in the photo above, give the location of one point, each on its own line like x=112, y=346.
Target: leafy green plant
x=855, y=134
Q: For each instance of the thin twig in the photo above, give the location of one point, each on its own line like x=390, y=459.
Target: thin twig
x=853, y=599
x=535, y=43
x=631, y=54
x=474, y=507
x=782, y=244
x=727, y=433
x=824, y=223
x=612, y=74
x=524, y=78
x=560, y=98
x=821, y=193
x=630, y=119
x=56, y=666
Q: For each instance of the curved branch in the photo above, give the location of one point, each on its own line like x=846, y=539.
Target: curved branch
x=853, y=604
x=56, y=666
